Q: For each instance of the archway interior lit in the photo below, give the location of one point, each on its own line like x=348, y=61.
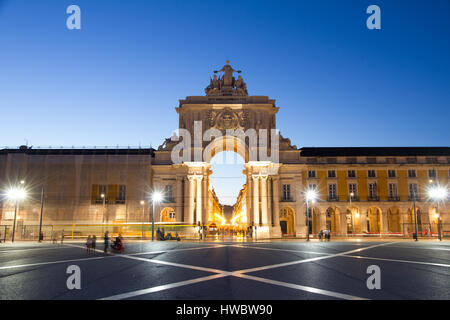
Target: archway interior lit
x=227, y=178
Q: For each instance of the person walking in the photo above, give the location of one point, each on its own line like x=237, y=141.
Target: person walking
x=88, y=244
x=62, y=236
x=41, y=236
x=106, y=242
x=94, y=242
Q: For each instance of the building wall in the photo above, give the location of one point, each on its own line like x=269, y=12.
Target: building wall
x=70, y=184
x=361, y=204
x=71, y=181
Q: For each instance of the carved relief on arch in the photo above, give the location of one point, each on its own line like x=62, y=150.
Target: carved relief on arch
x=227, y=119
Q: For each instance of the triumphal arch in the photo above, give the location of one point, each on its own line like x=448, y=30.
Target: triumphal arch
x=226, y=118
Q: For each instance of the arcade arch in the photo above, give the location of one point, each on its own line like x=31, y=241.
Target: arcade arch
x=287, y=221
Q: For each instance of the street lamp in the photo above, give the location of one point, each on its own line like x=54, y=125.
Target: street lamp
x=437, y=193
x=416, y=234
x=103, y=210
x=42, y=211
x=156, y=197
x=310, y=195
x=142, y=218
x=16, y=194
x=351, y=209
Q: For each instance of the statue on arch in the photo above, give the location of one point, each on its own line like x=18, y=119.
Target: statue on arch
x=241, y=87
x=228, y=79
x=226, y=85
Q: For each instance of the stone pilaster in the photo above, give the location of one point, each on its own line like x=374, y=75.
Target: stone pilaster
x=255, y=199
x=264, y=199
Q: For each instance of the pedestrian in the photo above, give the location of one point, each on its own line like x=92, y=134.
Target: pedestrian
x=88, y=244
x=106, y=242
x=163, y=234
x=41, y=236
x=329, y=235
x=54, y=237
x=94, y=242
x=326, y=234
x=158, y=234
x=320, y=235
x=62, y=236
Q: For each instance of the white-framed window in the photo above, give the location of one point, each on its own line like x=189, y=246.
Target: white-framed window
x=393, y=193
x=286, y=191
x=311, y=173
x=172, y=215
x=168, y=193
x=331, y=173
x=351, y=174
x=392, y=173
x=332, y=191
x=312, y=186
x=413, y=190
x=371, y=173
x=122, y=193
x=352, y=189
x=432, y=173
x=373, y=190
x=412, y=173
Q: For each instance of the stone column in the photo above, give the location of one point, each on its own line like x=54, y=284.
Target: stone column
x=323, y=220
x=190, y=217
x=276, y=203
x=264, y=211
x=384, y=222
x=179, y=199
x=269, y=202
x=344, y=223
x=205, y=199
x=186, y=200
x=363, y=221
x=199, y=198
x=405, y=227
x=255, y=199
x=250, y=199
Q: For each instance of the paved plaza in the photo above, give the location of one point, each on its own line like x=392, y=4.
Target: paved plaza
x=228, y=270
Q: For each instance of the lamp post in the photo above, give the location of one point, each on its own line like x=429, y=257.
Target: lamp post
x=103, y=211
x=416, y=235
x=16, y=194
x=142, y=219
x=156, y=197
x=437, y=193
x=42, y=211
x=351, y=209
x=311, y=195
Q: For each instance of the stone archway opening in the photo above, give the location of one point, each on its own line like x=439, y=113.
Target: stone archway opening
x=374, y=220
x=332, y=221
x=287, y=221
x=394, y=220
x=314, y=220
x=227, y=194
x=353, y=221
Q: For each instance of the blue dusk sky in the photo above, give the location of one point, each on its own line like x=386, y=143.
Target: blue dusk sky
x=117, y=81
